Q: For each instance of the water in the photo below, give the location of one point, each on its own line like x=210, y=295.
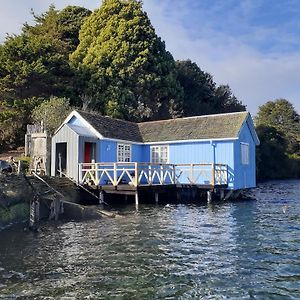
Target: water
x=241, y=250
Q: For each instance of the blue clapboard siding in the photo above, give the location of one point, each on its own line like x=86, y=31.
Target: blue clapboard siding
x=220, y=152
x=245, y=175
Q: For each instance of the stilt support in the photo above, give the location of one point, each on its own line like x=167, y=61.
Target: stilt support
x=136, y=199
x=101, y=197
x=222, y=195
x=156, y=197
x=34, y=213
x=209, y=196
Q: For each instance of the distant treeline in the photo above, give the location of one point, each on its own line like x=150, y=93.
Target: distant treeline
x=110, y=61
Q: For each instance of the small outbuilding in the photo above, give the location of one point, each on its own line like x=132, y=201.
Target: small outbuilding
x=203, y=150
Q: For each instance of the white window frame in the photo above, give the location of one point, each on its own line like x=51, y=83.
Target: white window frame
x=123, y=152
x=159, y=154
x=245, y=153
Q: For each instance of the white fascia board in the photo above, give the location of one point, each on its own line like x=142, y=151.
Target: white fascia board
x=191, y=141
x=168, y=142
x=85, y=122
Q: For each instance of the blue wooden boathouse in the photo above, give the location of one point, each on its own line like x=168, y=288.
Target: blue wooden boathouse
x=210, y=152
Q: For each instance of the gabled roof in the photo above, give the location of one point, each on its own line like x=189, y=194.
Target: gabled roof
x=113, y=128
x=220, y=126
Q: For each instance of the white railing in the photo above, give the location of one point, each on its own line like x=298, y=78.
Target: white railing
x=136, y=174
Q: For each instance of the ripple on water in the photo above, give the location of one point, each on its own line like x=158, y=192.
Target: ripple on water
x=227, y=251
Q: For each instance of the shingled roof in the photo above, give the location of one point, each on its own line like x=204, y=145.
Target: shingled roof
x=219, y=126
x=194, y=128
x=113, y=128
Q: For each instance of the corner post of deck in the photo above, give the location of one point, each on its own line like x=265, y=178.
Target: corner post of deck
x=115, y=174
x=136, y=173
x=213, y=174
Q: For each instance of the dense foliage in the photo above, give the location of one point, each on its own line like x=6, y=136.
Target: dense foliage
x=52, y=113
x=201, y=94
x=278, y=128
x=126, y=69
x=34, y=66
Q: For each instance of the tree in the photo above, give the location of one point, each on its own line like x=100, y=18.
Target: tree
x=13, y=119
x=36, y=63
x=52, y=113
x=272, y=161
x=226, y=101
x=198, y=87
x=125, y=65
x=201, y=94
x=281, y=115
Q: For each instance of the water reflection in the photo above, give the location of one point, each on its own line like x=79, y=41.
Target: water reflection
x=230, y=250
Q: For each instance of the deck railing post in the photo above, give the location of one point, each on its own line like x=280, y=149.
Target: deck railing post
x=96, y=174
x=174, y=174
x=150, y=174
x=191, y=173
x=115, y=174
x=213, y=174
x=80, y=173
x=162, y=174
x=136, y=179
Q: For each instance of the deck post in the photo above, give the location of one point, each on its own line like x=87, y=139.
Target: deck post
x=213, y=175
x=101, y=197
x=209, y=196
x=192, y=174
x=96, y=174
x=136, y=179
x=221, y=195
x=162, y=174
x=80, y=173
x=156, y=197
x=174, y=174
x=115, y=174
x=150, y=174
x=136, y=199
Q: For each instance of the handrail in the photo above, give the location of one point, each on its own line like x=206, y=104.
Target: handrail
x=134, y=173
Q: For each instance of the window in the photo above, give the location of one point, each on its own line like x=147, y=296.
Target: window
x=124, y=152
x=245, y=153
x=159, y=154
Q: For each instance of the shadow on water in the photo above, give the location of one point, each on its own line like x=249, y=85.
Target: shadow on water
x=232, y=250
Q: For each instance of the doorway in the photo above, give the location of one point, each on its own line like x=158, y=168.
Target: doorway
x=89, y=152
x=61, y=158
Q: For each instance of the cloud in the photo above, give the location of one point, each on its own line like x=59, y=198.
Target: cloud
x=254, y=74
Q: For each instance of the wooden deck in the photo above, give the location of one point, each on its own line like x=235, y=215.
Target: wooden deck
x=133, y=176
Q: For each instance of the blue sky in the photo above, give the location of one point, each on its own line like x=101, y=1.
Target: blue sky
x=252, y=45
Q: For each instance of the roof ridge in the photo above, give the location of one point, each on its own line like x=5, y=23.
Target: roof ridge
x=196, y=117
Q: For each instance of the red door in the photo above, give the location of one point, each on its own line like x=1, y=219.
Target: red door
x=87, y=152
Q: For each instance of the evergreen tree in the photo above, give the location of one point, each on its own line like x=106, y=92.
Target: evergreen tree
x=201, y=94
x=125, y=65
x=282, y=115
x=198, y=87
